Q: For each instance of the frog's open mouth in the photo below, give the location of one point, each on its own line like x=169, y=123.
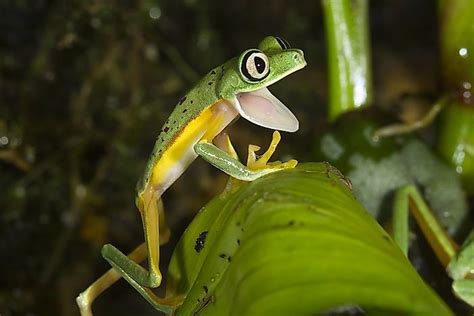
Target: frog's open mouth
x=264, y=109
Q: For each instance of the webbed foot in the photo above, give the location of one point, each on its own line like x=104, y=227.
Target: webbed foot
x=262, y=162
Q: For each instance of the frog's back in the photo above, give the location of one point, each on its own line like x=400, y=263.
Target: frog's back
x=188, y=108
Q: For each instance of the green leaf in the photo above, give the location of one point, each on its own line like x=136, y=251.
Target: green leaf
x=294, y=243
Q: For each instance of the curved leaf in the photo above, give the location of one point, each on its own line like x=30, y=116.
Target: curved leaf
x=293, y=243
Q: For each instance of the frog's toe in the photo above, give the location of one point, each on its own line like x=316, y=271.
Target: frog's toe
x=290, y=164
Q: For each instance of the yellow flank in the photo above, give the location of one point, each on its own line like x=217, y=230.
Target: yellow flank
x=183, y=141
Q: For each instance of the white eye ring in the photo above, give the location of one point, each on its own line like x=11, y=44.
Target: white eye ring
x=255, y=65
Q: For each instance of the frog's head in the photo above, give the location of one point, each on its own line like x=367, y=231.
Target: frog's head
x=245, y=80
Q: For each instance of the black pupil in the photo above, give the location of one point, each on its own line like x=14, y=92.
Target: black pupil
x=259, y=64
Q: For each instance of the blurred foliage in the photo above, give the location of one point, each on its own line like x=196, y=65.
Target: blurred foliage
x=86, y=85
x=456, y=129
x=378, y=168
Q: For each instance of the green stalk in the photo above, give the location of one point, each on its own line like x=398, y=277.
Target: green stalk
x=347, y=35
x=456, y=134
x=457, y=44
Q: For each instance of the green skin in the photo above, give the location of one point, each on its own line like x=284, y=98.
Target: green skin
x=221, y=87
x=460, y=264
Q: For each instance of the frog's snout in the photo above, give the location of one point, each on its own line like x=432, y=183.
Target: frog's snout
x=298, y=57
x=288, y=61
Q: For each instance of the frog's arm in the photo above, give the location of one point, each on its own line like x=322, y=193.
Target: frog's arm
x=233, y=167
x=459, y=262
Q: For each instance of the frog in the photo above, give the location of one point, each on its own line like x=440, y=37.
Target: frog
x=196, y=127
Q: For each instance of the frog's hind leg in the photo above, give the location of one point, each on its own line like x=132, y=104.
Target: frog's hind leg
x=148, y=206
x=129, y=269
x=87, y=297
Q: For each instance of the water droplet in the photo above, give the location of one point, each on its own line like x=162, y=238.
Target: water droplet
x=466, y=94
x=218, y=275
x=459, y=169
x=467, y=85
x=3, y=140
x=154, y=13
x=213, y=280
x=463, y=52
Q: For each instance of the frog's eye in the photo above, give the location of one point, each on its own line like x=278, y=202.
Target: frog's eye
x=283, y=43
x=255, y=65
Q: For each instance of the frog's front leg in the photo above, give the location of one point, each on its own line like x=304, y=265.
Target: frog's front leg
x=459, y=263
x=233, y=167
x=223, y=142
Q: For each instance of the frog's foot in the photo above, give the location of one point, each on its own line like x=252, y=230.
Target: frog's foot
x=255, y=168
x=87, y=297
x=255, y=164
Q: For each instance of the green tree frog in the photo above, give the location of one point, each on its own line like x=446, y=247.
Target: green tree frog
x=195, y=128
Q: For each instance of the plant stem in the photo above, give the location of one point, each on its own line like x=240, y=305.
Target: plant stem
x=347, y=36
x=456, y=134
x=457, y=45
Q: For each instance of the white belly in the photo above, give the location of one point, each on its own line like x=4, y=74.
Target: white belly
x=222, y=109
